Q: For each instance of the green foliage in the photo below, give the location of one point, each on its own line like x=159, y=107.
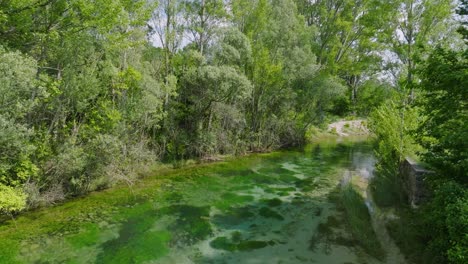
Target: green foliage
x=445, y=130
x=221, y=84
x=17, y=84
x=439, y=233
x=392, y=123
x=446, y=225
x=463, y=12
x=457, y=225
x=345, y=38
x=373, y=93
x=11, y=199
x=443, y=134
x=67, y=104
x=233, y=49
x=203, y=18
x=86, y=101
x=16, y=165
x=207, y=90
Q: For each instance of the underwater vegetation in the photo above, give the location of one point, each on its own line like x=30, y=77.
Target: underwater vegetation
x=282, y=205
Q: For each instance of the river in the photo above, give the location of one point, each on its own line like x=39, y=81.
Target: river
x=282, y=207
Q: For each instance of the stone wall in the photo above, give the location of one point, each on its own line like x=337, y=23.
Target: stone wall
x=413, y=180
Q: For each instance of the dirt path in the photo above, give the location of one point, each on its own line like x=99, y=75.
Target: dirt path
x=348, y=128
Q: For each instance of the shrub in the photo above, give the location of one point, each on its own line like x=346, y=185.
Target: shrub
x=16, y=166
x=11, y=199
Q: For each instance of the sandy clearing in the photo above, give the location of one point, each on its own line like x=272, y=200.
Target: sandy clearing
x=347, y=128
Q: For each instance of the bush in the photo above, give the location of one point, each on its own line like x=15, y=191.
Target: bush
x=126, y=167
x=446, y=221
x=16, y=165
x=68, y=167
x=457, y=225
x=37, y=198
x=11, y=199
x=17, y=84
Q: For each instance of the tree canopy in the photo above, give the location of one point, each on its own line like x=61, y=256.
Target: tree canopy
x=94, y=92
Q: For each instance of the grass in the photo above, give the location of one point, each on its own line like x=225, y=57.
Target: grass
x=314, y=134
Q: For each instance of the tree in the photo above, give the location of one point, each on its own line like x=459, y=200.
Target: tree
x=463, y=12
x=19, y=95
x=346, y=38
x=282, y=62
x=233, y=48
x=19, y=88
x=203, y=17
x=167, y=27
x=415, y=28
x=207, y=89
x=445, y=105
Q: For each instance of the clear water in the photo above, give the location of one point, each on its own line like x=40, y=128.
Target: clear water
x=272, y=208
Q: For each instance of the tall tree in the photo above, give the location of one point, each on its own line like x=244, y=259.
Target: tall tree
x=418, y=25
x=203, y=17
x=463, y=12
x=166, y=29
x=445, y=102
x=346, y=39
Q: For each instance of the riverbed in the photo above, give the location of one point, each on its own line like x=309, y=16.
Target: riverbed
x=281, y=207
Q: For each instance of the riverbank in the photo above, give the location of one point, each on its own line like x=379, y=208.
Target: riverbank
x=316, y=135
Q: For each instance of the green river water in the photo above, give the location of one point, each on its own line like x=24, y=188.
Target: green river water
x=280, y=207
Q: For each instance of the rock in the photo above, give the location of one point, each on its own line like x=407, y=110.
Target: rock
x=413, y=178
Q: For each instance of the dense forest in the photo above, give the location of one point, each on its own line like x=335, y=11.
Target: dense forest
x=94, y=93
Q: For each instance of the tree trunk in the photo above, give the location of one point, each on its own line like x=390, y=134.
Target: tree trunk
x=202, y=25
